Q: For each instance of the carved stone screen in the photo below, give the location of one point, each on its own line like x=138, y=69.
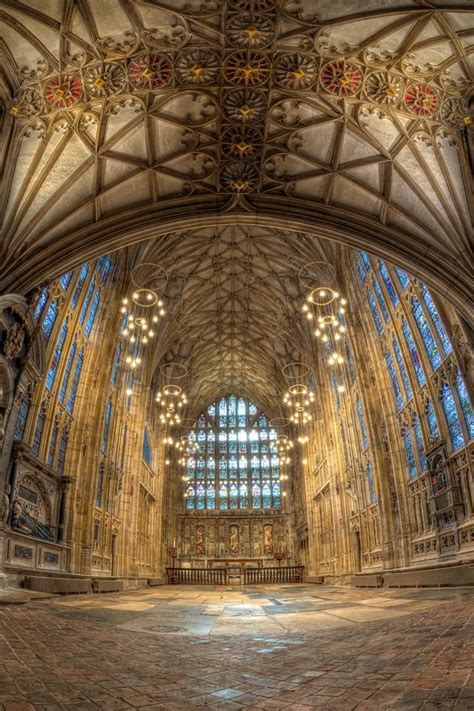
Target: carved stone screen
x=234, y=465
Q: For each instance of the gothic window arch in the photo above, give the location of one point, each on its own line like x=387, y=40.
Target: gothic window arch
x=67, y=371
x=53, y=368
x=465, y=401
x=39, y=428
x=40, y=304
x=22, y=418
x=362, y=425
x=50, y=319
x=413, y=351
x=146, y=447
x=75, y=382
x=83, y=274
x=394, y=378
x=452, y=418
x=387, y=279
x=107, y=418
x=426, y=334
x=231, y=462
x=65, y=279
x=92, y=314
x=435, y=317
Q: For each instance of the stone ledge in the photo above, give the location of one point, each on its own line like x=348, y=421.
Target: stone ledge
x=367, y=580
x=448, y=576
x=57, y=585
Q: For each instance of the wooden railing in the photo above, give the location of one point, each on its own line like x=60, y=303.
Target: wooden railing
x=290, y=574
x=196, y=576
x=220, y=576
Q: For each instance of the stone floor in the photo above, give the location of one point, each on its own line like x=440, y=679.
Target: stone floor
x=266, y=647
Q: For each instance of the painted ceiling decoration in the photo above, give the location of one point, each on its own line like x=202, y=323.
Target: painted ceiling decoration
x=124, y=107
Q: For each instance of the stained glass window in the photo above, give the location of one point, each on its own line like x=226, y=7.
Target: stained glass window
x=80, y=284
x=53, y=368
x=361, y=269
x=53, y=441
x=146, y=452
x=381, y=300
x=40, y=304
x=452, y=417
x=402, y=368
x=393, y=377
x=433, y=311
x=465, y=403
x=100, y=485
x=87, y=300
x=415, y=358
x=335, y=390
x=385, y=274
x=65, y=279
x=363, y=429
x=75, y=383
x=92, y=314
x=118, y=353
x=375, y=312
x=403, y=277
x=365, y=258
x=105, y=435
x=20, y=425
x=104, y=266
x=67, y=371
x=419, y=443
x=410, y=454
x=432, y=420
x=50, y=319
x=62, y=451
x=370, y=483
x=246, y=472
x=38, y=434
x=426, y=334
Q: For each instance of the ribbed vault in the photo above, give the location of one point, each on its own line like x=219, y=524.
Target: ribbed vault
x=233, y=300
x=124, y=119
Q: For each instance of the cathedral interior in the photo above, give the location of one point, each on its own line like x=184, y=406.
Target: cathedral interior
x=236, y=361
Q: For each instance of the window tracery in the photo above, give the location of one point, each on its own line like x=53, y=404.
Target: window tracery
x=234, y=466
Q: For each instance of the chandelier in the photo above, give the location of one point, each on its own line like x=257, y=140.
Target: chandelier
x=171, y=398
x=325, y=308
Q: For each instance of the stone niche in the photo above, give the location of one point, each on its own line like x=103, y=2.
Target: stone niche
x=225, y=535
x=31, y=535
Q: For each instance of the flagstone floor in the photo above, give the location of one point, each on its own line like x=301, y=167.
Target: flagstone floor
x=264, y=647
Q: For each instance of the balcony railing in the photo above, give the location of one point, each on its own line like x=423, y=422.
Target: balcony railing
x=221, y=576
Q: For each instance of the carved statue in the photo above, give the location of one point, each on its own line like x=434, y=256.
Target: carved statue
x=23, y=522
x=14, y=341
x=268, y=538
x=4, y=508
x=200, y=536
x=234, y=540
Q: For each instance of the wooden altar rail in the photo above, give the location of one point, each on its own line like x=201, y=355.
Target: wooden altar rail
x=197, y=576
x=220, y=576
x=289, y=574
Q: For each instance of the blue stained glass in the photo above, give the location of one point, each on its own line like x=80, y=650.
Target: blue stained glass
x=40, y=304
x=452, y=417
x=415, y=358
x=402, y=368
x=75, y=383
x=62, y=452
x=426, y=334
x=210, y=497
x=124, y=444
x=65, y=280
x=433, y=311
x=381, y=300
x=117, y=356
x=336, y=391
x=403, y=277
x=245, y=462
x=363, y=430
x=80, y=284
x=50, y=319
x=419, y=443
x=52, y=442
x=67, y=371
x=365, y=258
x=410, y=455
x=130, y=382
x=92, y=314
x=432, y=420
x=465, y=403
x=53, y=368
x=393, y=377
x=40, y=422
x=105, y=436
x=383, y=269
x=87, y=300
x=371, y=483
x=361, y=269
x=104, y=266
x=375, y=312
x=20, y=425
x=100, y=485
x=146, y=451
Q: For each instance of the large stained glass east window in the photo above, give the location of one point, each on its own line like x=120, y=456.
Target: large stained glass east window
x=231, y=462
x=452, y=417
x=465, y=403
x=426, y=334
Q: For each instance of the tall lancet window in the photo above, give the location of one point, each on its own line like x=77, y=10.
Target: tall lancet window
x=231, y=462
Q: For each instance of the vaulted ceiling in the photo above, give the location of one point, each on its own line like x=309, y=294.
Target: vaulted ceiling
x=233, y=299
x=128, y=119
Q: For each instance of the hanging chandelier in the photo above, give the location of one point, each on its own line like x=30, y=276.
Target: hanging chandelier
x=171, y=398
